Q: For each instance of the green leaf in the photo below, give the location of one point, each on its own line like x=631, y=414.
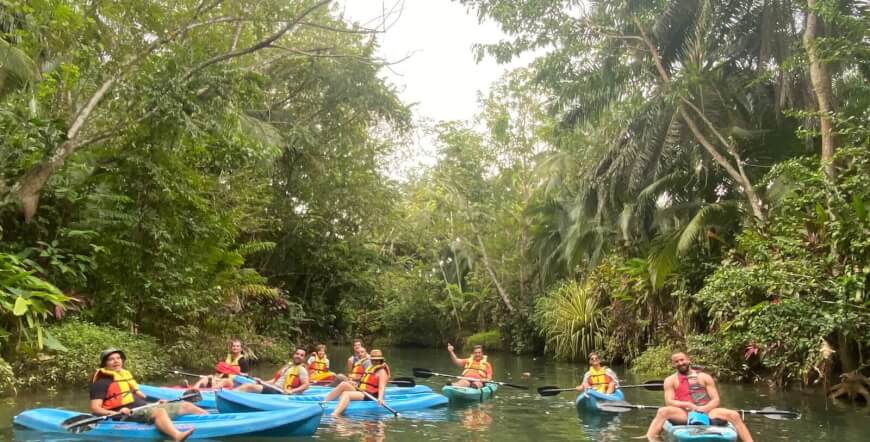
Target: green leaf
x=21, y=306
x=51, y=342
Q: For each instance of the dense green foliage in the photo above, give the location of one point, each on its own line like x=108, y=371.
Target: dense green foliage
x=666, y=174
x=84, y=342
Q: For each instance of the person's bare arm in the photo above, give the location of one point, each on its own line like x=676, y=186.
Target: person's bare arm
x=712, y=392
x=456, y=361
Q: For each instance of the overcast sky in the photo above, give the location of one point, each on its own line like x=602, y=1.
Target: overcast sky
x=441, y=75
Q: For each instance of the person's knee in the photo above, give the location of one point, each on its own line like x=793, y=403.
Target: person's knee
x=663, y=413
x=729, y=415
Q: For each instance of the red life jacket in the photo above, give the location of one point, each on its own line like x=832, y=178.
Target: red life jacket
x=690, y=390
x=370, y=381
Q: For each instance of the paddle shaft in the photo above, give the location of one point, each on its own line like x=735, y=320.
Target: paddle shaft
x=432, y=373
x=372, y=397
x=624, y=406
x=132, y=410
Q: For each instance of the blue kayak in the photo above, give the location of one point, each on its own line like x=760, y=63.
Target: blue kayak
x=589, y=399
x=317, y=393
x=700, y=433
x=229, y=401
x=298, y=421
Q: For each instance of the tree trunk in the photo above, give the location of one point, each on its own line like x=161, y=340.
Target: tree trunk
x=821, y=80
x=755, y=202
x=491, y=271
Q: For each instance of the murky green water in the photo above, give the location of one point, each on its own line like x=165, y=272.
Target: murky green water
x=519, y=415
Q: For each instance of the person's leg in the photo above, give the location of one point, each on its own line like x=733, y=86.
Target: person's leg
x=673, y=414
x=201, y=383
x=164, y=424
x=611, y=387
x=337, y=391
x=225, y=383
x=250, y=388
x=734, y=418
x=460, y=383
x=346, y=397
x=189, y=408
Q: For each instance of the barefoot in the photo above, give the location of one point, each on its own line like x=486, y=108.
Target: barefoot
x=184, y=435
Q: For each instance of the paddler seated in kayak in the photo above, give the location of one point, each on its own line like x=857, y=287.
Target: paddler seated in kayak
x=372, y=384
x=475, y=366
x=290, y=379
x=114, y=391
x=318, y=366
x=691, y=397
x=357, y=344
x=234, y=364
x=361, y=363
x=598, y=377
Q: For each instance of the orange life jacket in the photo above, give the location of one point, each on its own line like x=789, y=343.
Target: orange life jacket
x=358, y=371
x=318, y=365
x=120, y=391
x=370, y=381
x=475, y=369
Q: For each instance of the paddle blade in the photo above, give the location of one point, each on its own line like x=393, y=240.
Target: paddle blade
x=654, y=385
x=779, y=415
x=550, y=390
x=614, y=406
x=191, y=396
x=422, y=373
x=404, y=382
x=81, y=423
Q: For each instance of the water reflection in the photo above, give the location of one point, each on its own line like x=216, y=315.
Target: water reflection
x=361, y=430
x=475, y=417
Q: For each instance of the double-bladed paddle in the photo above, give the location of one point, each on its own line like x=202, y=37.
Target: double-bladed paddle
x=768, y=412
x=553, y=390
x=83, y=422
x=426, y=373
x=398, y=382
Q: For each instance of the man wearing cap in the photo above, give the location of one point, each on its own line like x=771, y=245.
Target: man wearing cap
x=114, y=391
x=291, y=379
x=372, y=385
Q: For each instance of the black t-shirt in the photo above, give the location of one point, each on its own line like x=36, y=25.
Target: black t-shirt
x=244, y=365
x=101, y=386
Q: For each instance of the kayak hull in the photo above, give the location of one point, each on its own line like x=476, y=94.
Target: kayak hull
x=237, y=402
x=469, y=394
x=313, y=393
x=700, y=433
x=299, y=421
x=588, y=400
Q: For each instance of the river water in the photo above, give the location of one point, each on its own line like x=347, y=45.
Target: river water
x=522, y=415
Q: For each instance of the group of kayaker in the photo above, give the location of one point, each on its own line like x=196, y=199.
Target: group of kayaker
x=691, y=397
